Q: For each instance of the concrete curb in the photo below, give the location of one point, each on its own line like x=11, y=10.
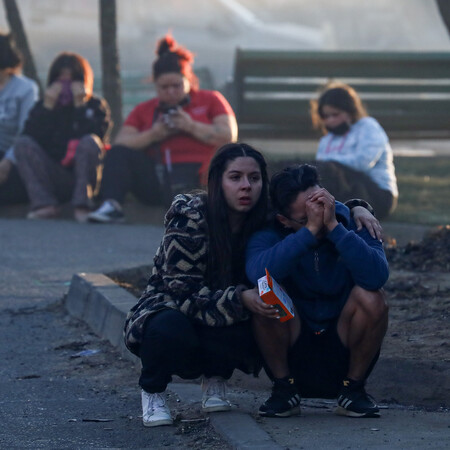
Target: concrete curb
x=242, y=432
x=237, y=427
x=103, y=305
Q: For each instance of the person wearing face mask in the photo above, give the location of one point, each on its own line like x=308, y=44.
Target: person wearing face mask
x=166, y=143
x=62, y=143
x=354, y=157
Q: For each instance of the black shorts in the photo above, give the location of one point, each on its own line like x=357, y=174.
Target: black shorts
x=319, y=362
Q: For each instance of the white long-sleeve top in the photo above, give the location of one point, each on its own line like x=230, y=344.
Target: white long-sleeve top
x=364, y=148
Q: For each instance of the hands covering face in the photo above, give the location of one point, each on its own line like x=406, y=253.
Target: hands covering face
x=51, y=94
x=78, y=92
x=320, y=210
x=56, y=93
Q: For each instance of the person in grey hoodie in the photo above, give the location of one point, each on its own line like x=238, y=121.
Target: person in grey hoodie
x=17, y=96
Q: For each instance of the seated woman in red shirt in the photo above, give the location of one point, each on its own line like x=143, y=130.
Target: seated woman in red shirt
x=166, y=143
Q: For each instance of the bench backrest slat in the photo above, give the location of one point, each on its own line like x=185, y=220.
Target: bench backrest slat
x=408, y=92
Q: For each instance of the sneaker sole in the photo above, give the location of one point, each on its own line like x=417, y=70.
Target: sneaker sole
x=221, y=408
x=292, y=412
x=158, y=423
x=101, y=219
x=340, y=411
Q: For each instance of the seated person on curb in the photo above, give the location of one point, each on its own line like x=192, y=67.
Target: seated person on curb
x=333, y=273
x=166, y=143
x=193, y=318
x=354, y=157
x=61, y=146
x=17, y=96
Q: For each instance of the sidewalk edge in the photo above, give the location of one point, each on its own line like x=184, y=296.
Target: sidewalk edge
x=103, y=305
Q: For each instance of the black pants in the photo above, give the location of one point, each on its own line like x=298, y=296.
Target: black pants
x=126, y=170
x=151, y=182
x=13, y=191
x=346, y=183
x=175, y=345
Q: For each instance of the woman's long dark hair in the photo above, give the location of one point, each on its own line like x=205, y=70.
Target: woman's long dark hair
x=220, y=261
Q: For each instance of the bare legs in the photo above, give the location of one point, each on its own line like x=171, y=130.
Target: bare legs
x=274, y=339
x=361, y=328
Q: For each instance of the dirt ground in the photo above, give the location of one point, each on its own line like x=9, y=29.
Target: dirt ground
x=418, y=294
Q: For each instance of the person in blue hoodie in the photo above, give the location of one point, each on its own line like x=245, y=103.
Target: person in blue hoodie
x=334, y=272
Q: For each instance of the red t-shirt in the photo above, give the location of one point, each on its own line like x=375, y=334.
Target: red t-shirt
x=204, y=106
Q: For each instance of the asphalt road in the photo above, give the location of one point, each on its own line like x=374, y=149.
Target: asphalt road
x=52, y=398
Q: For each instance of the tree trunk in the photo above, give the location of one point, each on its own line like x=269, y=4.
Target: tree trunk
x=20, y=37
x=111, y=82
x=444, y=9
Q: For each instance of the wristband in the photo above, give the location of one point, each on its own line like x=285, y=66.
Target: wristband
x=350, y=204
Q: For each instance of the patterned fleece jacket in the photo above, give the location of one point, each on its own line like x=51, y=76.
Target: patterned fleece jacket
x=178, y=278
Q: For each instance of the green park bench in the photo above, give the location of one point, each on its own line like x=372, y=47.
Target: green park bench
x=407, y=92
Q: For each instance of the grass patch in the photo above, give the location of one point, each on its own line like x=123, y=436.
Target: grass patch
x=424, y=190
x=423, y=183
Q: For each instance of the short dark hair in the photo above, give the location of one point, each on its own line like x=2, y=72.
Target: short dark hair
x=286, y=184
x=10, y=57
x=80, y=68
x=220, y=253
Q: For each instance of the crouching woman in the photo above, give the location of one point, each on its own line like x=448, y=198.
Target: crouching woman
x=193, y=318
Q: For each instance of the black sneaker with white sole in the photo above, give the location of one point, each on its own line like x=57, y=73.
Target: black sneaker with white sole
x=284, y=401
x=109, y=212
x=353, y=400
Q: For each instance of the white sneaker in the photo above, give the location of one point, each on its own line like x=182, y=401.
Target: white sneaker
x=214, y=395
x=109, y=212
x=155, y=412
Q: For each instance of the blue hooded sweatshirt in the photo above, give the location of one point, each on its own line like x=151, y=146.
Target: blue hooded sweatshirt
x=319, y=274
